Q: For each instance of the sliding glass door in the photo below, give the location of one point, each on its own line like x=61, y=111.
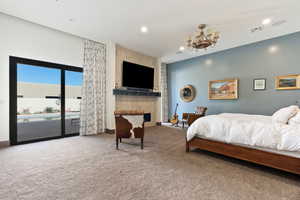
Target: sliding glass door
x=38, y=102
x=44, y=100
x=73, y=85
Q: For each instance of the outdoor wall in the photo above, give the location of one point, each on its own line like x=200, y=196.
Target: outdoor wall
x=24, y=39
x=41, y=90
x=266, y=59
x=38, y=105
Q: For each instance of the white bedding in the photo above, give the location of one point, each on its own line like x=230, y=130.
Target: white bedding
x=252, y=130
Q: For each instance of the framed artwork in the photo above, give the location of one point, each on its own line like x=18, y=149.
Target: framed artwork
x=259, y=84
x=288, y=82
x=223, y=89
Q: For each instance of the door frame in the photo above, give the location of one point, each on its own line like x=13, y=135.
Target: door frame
x=13, y=61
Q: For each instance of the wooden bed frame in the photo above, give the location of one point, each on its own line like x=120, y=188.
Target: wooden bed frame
x=278, y=161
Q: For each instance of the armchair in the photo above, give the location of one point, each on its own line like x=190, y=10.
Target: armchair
x=189, y=118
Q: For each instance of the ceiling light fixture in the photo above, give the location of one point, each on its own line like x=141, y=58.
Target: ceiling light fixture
x=266, y=21
x=208, y=62
x=144, y=29
x=181, y=48
x=202, y=39
x=273, y=49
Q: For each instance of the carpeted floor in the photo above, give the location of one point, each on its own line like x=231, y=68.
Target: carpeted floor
x=90, y=168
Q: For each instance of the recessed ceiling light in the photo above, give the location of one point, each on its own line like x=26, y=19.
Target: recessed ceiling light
x=266, y=21
x=208, y=62
x=144, y=29
x=181, y=48
x=273, y=49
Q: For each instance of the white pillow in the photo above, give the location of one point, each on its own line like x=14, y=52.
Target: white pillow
x=285, y=114
x=296, y=119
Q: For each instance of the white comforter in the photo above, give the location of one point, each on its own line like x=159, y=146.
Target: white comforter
x=254, y=130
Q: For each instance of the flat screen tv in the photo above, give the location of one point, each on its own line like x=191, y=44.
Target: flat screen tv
x=137, y=76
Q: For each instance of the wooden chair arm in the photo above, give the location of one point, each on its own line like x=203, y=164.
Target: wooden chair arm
x=193, y=117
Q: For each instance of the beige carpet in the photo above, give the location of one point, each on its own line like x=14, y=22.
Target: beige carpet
x=90, y=168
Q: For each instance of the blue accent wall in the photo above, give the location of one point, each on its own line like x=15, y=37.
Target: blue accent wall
x=266, y=59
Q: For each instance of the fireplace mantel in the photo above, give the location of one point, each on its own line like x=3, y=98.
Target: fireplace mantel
x=135, y=93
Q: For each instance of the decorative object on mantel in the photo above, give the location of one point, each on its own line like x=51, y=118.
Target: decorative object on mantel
x=187, y=93
x=223, y=89
x=129, y=124
x=259, y=84
x=288, y=82
x=202, y=39
x=117, y=86
x=155, y=89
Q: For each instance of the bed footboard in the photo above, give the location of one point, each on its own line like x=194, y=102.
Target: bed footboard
x=277, y=161
x=187, y=146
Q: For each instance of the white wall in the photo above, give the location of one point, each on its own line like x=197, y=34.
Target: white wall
x=24, y=39
x=110, y=85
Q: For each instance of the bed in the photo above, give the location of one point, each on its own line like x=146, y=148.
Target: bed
x=253, y=138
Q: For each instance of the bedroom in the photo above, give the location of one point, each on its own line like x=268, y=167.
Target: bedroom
x=88, y=100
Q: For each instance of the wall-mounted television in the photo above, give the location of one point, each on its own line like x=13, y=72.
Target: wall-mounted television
x=137, y=76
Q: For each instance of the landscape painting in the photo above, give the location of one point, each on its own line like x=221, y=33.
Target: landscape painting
x=223, y=89
x=289, y=82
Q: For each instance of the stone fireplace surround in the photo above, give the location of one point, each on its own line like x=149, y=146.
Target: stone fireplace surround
x=148, y=104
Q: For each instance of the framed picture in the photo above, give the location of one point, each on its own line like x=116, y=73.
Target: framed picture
x=259, y=84
x=187, y=93
x=223, y=89
x=288, y=82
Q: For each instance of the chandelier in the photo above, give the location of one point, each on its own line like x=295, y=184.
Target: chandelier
x=202, y=39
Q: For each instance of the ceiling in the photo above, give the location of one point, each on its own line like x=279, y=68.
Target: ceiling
x=169, y=21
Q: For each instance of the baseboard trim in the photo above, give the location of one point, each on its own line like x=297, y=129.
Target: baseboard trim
x=109, y=131
x=4, y=144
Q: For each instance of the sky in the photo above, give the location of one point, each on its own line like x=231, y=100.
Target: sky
x=218, y=85
x=44, y=75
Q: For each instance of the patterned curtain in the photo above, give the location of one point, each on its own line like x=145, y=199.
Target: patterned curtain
x=164, y=93
x=92, y=117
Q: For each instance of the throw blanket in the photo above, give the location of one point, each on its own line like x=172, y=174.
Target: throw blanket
x=254, y=130
x=136, y=121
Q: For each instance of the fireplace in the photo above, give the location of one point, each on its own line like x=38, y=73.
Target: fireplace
x=147, y=117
